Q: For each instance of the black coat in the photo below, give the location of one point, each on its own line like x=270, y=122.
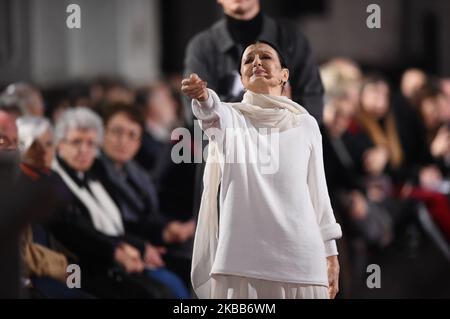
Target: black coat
x=74, y=228
x=135, y=195
x=340, y=170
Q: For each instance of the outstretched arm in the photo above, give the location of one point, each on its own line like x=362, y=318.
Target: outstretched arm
x=195, y=88
x=214, y=116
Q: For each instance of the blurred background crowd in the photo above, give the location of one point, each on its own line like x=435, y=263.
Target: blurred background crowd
x=86, y=118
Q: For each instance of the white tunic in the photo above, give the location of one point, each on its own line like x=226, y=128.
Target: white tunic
x=276, y=220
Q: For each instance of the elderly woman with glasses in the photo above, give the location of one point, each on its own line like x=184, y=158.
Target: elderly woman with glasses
x=92, y=225
x=275, y=237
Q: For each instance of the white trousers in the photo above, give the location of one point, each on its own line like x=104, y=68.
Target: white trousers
x=236, y=287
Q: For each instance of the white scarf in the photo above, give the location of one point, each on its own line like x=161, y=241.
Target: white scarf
x=103, y=211
x=263, y=111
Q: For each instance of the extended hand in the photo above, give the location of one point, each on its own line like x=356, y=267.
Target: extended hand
x=195, y=88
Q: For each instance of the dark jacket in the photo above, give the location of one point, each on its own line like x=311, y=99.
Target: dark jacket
x=150, y=151
x=74, y=228
x=340, y=170
x=214, y=56
x=136, y=196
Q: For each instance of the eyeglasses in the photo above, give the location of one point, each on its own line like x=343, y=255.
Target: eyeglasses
x=78, y=143
x=6, y=143
x=130, y=134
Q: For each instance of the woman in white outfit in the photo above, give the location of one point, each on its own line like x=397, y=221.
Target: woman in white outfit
x=275, y=237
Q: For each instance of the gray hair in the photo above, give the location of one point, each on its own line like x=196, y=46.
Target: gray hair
x=80, y=118
x=20, y=94
x=30, y=128
x=10, y=104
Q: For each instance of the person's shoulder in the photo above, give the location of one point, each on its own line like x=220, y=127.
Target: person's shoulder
x=98, y=168
x=205, y=36
x=227, y=106
x=289, y=27
x=138, y=170
x=233, y=107
x=310, y=124
x=291, y=39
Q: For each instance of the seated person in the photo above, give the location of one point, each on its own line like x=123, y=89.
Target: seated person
x=135, y=192
x=92, y=225
x=45, y=268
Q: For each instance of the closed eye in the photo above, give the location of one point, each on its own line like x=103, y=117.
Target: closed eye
x=263, y=57
x=248, y=60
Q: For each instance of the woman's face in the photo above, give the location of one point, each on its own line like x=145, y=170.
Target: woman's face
x=41, y=152
x=78, y=149
x=162, y=107
x=430, y=113
x=443, y=106
x=261, y=70
x=341, y=112
x=122, y=138
x=239, y=7
x=47, y=144
x=375, y=99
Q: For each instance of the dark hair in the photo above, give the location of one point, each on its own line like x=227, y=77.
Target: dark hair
x=431, y=89
x=373, y=78
x=273, y=46
x=129, y=110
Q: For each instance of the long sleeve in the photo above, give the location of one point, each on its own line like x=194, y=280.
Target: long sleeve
x=77, y=233
x=318, y=191
x=206, y=111
x=214, y=116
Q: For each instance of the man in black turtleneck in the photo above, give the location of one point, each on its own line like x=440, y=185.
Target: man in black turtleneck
x=214, y=54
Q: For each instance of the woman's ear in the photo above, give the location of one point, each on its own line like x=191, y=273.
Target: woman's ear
x=284, y=75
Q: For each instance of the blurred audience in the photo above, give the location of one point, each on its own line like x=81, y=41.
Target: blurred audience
x=378, y=148
x=162, y=113
x=28, y=98
x=412, y=81
x=92, y=225
x=45, y=268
